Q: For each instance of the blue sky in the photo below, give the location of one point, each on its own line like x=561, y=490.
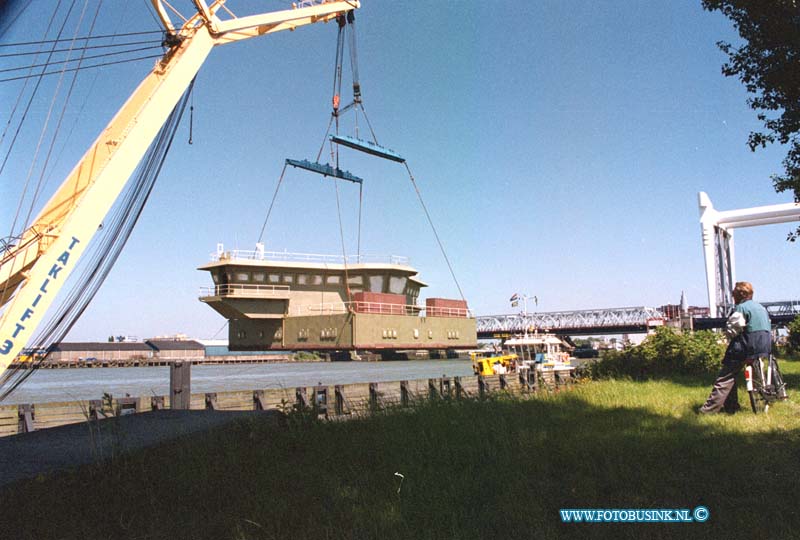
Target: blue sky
x=559, y=145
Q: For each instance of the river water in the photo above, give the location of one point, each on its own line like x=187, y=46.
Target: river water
x=47, y=385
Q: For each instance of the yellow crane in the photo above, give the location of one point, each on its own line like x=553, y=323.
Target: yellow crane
x=34, y=269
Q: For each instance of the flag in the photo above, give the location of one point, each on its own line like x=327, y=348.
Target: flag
x=514, y=298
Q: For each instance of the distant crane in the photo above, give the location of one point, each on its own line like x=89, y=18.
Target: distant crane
x=35, y=266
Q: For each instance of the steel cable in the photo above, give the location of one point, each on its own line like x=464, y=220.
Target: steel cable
x=271, y=204
x=57, y=129
x=435, y=233
x=12, y=232
x=90, y=57
x=115, y=236
x=57, y=40
x=85, y=48
x=103, y=64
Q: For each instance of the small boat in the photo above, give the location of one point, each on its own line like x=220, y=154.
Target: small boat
x=547, y=352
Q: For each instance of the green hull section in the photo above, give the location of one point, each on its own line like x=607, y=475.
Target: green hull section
x=353, y=331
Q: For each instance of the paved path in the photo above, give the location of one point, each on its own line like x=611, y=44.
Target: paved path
x=30, y=454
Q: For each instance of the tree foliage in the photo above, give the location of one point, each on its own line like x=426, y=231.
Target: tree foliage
x=768, y=64
x=664, y=353
x=794, y=335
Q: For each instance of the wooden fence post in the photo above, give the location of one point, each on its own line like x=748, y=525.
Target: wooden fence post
x=27, y=416
x=180, y=385
x=259, y=401
x=459, y=388
x=339, y=404
x=483, y=387
x=156, y=403
x=373, y=396
x=404, y=395
x=432, y=389
x=444, y=387
x=301, y=399
x=96, y=409
x=211, y=401
x=321, y=400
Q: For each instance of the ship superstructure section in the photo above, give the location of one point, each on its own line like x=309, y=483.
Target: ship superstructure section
x=297, y=301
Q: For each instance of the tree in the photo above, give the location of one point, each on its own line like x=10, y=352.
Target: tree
x=794, y=335
x=768, y=64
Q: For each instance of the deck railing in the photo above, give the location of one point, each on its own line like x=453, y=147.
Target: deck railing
x=248, y=291
x=285, y=256
x=379, y=308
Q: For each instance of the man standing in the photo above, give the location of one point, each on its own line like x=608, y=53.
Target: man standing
x=749, y=329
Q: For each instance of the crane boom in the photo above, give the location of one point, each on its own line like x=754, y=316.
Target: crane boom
x=33, y=270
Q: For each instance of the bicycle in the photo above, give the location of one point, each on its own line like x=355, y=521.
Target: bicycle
x=765, y=383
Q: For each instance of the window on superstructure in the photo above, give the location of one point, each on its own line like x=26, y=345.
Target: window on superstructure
x=302, y=279
x=355, y=280
x=333, y=280
x=397, y=284
x=317, y=279
x=376, y=283
x=259, y=277
x=274, y=278
x=242, y=276
x=288, y=278
x=413, y=292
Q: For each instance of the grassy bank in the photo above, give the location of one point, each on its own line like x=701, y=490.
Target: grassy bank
x=496, y=469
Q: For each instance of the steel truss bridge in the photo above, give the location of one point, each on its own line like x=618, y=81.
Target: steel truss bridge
x=626, y=320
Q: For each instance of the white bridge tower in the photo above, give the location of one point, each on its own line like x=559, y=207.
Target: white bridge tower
x=717, y=229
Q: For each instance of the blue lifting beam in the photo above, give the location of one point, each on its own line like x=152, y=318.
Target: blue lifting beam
x=324, y=169
x=368, y=147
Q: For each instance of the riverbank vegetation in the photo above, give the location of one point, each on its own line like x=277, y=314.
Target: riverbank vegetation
x=665, y=353
x=498, y=468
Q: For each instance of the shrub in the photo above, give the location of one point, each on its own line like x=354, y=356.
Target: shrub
x=666, y=352
x=305, y=356
x=793, y=344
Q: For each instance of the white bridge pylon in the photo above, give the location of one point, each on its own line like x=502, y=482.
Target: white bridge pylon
x=717, y=235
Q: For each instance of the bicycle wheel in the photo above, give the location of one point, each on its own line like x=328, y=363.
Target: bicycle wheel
x=778, y=384
x=757, y=387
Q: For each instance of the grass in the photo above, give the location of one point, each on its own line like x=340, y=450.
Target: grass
x=496, y=469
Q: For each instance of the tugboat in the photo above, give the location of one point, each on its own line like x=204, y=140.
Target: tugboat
x=298, y=301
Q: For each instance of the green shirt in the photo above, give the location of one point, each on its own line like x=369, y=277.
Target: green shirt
x=756, y=316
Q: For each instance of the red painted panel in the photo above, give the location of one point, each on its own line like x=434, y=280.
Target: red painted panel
x=379, y=303
x=445, y=307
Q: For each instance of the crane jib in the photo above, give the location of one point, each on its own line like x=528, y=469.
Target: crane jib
x=34, y=272
x=7, y=343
